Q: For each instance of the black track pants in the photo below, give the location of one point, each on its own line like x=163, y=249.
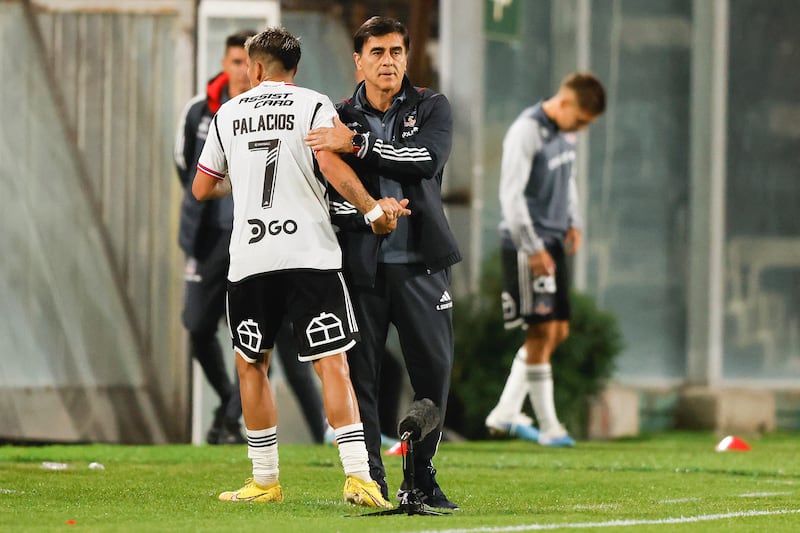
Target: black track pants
x=420, y=307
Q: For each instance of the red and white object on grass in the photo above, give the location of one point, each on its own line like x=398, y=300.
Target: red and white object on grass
x=399, y=448
x=732, y=443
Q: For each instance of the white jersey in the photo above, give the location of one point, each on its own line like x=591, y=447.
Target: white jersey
x=280, y=210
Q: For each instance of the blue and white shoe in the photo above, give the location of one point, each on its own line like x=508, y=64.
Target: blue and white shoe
x=330, y=438
x=557, y=438
x=527, y=432
x=519, y=426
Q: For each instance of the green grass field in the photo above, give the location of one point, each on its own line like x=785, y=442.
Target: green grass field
x=671, y=482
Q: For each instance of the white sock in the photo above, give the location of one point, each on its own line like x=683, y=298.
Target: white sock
x=540, y=385
x=262, y=449
x=353, y=450
x=515, y=390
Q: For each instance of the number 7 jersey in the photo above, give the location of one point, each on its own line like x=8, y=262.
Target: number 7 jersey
x=281, y=220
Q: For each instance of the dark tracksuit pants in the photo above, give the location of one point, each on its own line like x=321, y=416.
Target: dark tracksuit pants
x=204, y=306
x=419, y=306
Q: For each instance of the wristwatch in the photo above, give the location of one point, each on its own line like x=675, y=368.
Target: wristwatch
x=359, y=139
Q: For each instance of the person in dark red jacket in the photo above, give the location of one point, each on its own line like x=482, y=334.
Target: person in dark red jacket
x=398, y=138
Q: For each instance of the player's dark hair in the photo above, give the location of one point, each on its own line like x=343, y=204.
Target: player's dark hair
x=278, y=43
x=589, y=92
x=378, y=27
x=237, y=40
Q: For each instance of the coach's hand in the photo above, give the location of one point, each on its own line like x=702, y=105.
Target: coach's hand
x=339, y=138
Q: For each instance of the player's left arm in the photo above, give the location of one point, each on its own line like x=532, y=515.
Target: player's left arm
x=573, y=240
x=421, y=156
x=574, y=237
x=383, y=213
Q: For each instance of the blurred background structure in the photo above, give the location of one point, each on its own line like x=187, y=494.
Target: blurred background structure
x=689, y=186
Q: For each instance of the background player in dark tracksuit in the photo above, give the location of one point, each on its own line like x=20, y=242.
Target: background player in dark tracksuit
x=541, y=223
x=204, y=237
x=399, y=137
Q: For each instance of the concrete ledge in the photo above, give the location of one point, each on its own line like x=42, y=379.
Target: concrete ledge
x=614, y=413
x=726, y=410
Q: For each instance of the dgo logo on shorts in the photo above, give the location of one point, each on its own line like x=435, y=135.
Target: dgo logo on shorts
x=324, y=329
x=249, y=334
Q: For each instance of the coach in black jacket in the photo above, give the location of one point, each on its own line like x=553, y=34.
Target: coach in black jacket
x=423, y=123
x=399, y=137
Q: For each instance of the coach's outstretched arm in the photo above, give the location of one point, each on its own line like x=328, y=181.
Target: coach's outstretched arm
x=405, y=160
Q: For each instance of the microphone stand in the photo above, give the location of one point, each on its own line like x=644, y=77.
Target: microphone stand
x=410, y=503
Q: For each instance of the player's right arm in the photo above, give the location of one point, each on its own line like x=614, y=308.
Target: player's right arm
x=211, y=180
x=520, y=145
x=208, y=187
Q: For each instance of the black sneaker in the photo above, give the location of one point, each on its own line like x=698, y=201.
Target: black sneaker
x=427, y=490
x=216, y=426
x=230, y=434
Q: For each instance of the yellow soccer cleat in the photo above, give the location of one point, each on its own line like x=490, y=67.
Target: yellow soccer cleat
x=364, y=493
x=253, y=492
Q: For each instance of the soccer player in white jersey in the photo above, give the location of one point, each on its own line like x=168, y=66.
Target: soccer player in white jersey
x=285, y=259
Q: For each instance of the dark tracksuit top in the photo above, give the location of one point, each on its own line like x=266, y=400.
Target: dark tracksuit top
x=415, y=160
x=401, y=279
x=204, y=234
x=201, y=223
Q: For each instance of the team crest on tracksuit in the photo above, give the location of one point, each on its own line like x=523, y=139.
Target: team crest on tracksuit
x=410, y=127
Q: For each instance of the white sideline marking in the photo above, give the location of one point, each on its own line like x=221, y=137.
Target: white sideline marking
x=584, y=507
x=618, y=523
x=764, y=494
x=680, y=500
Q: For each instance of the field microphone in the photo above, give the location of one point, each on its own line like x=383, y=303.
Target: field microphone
x=422, y=418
